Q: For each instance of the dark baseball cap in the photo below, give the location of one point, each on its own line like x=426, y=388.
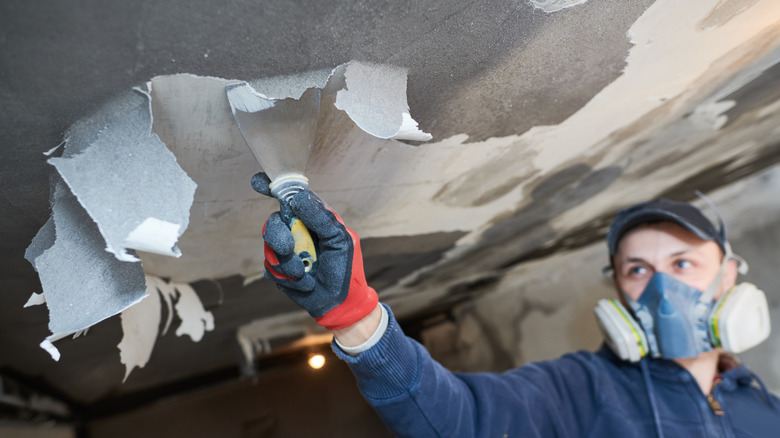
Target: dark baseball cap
x=682, y=213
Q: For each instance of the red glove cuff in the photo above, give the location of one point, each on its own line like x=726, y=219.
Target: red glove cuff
x=359, y=303
x=361, y=299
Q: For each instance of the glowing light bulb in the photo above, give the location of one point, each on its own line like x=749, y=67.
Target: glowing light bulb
x=316, y=361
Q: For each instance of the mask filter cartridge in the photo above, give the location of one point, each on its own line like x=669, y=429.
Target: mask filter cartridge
x=737, y=322
x=740, y=319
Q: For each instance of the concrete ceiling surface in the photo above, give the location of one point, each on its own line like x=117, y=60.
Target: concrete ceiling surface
x=544, y=124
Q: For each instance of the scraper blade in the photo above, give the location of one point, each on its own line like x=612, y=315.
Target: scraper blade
x=280, y=133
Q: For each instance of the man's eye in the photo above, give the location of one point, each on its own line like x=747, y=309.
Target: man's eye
x=683, y=264
x=637, y=270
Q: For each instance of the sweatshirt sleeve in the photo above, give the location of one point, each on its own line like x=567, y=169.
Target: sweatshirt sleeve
x=415, y=396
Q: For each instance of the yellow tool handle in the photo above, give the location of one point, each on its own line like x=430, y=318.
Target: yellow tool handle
x=304, y=245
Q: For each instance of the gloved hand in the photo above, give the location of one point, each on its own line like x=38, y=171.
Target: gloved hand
x=334, y=291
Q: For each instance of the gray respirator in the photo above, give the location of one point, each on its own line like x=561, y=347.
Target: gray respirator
x=673, y=320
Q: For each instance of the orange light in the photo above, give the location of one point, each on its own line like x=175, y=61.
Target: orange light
x=316, y=361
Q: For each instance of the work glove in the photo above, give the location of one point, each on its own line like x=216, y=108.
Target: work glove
x=334, y=291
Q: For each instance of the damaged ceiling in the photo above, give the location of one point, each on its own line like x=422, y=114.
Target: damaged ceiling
x=545, y=118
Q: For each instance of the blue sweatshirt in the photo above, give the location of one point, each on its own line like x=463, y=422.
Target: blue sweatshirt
x=582, y=394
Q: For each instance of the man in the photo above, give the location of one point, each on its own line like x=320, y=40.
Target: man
x=670, y=268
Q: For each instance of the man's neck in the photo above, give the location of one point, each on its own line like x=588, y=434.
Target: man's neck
x=703, y=368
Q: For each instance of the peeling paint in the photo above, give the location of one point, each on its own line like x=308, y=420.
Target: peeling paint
x=82, y=283
x=35, y=299
x=381, y=111
x=193, y=118
x=668, y=116
x=550, y=6
x=126, y=179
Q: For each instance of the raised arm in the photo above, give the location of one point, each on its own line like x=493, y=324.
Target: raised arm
x=413, y=394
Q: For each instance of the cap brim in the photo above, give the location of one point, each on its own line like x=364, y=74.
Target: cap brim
x=653, y=215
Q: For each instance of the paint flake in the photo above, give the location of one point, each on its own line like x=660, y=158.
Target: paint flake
x=550, y=6
x=83, y=283
x=154, y=235
x=140, y=326
x=195, y=320
x=381, y=111
x=43, y=240
x=35, y=299
x=126, y=179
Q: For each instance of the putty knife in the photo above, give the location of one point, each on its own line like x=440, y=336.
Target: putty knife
x=280, y=134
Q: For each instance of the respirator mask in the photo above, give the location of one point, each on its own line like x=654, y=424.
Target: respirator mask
x=671, y=319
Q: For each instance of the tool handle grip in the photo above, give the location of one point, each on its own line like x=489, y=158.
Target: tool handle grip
x=304, y=245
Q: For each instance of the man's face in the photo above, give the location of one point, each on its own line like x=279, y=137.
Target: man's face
x=669, y=248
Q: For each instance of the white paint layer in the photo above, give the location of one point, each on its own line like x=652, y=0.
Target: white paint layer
x=550, y=6
x=140, y=325
x=378, y=110
x=155, y=235
x=195, y=320
x=35, y=299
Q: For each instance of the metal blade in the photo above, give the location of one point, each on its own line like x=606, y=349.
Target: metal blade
x=280, y=133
